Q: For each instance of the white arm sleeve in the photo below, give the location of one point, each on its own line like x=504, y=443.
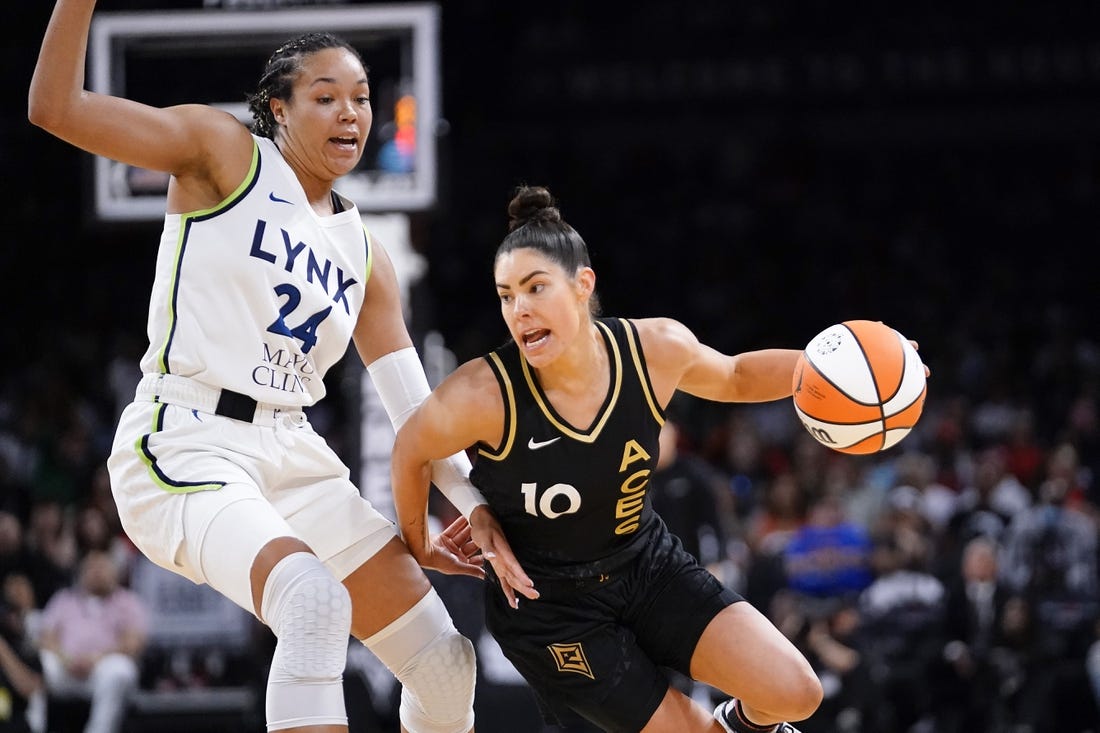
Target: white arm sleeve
x=399, y=379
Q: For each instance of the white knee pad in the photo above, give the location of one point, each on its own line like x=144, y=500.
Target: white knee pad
x=435, y=665
x=310, y=613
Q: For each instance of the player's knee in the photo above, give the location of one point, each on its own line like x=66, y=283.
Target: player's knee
x=310, y=613
x=437, y=693
x=805, y=695
x=436, y=667
x=796, y=699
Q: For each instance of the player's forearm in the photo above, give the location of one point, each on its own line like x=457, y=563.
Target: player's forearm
x=58, y=78
x=764, y=375
x=410, y=499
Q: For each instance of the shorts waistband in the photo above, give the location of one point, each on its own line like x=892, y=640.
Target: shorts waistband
x=556, y=588
x=173, y=389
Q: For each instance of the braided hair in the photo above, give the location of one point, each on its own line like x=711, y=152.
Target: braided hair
x=277, y=80
x=535, y=221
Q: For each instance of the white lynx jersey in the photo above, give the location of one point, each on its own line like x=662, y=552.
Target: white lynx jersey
x=258, y=294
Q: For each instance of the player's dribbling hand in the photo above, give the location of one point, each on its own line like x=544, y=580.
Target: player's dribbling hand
x=916, y=347
x=488, y=535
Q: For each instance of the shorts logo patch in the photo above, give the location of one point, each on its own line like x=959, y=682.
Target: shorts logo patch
x=570, y=658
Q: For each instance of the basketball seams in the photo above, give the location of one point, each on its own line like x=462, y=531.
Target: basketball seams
x=872, y=408
x=869, y=364
x=840, y=388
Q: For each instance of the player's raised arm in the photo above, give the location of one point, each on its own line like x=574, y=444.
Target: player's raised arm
x=195, y=141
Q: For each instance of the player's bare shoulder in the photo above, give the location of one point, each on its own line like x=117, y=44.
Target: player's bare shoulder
x=665, y=341
x=222, y=143
x=473, y=382
x=213, y=161
x=471, y=399
x=670, y=348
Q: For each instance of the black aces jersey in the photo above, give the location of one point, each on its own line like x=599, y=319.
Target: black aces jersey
x=573, y=500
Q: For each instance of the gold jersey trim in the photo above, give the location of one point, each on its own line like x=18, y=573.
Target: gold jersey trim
x=510, y=417
x=616, y=359
x=643, y=374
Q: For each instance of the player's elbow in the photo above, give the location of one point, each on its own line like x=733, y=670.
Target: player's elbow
x=406, y=460
x=44, y=112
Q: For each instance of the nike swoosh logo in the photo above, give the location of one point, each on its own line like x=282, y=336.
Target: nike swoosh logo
x=535, y=445
x=276, y=199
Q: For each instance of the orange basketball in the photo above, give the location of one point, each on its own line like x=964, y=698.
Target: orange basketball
x=859, y=387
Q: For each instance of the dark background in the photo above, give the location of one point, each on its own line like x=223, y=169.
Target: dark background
x=759, y=170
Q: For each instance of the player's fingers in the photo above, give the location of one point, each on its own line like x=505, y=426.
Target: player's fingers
x=450, y=545
x=457, y=527
x=470, y=567
x=462, y=536
x=511, y=572
x=509, y=594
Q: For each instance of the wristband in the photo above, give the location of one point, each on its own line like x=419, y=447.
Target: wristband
x=399, y=379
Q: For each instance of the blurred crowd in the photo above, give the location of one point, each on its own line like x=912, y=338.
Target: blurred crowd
x=948, y=584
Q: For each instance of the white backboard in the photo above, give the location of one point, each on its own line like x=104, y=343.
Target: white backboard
x=216, y=57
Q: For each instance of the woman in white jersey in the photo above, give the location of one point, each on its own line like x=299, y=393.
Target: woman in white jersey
x=263, y=275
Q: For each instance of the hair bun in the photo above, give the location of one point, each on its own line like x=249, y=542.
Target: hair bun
x=531, y=204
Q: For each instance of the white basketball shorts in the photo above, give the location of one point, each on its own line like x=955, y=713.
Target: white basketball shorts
x=175, y=466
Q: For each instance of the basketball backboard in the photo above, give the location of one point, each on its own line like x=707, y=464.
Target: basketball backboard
x=216, y=57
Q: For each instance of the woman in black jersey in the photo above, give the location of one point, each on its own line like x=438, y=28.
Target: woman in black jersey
x=565, y=420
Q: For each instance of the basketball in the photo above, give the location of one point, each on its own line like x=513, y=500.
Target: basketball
x=859, y=387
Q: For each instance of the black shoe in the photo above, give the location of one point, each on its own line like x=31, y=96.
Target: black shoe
x=725, y=715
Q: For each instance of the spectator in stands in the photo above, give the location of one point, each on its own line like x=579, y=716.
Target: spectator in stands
x=902, y=613
x=829, y=557
x=781, y=513
x=974, y=609
x=936, y=502
x=13, y=554
x=21, y=686
x=1051, y=548
x=51, y=548
x=770, y=526
x=1024, y=456
x=686, y=493
x=1083, y=433
x=92, y=637
x=1050, y=558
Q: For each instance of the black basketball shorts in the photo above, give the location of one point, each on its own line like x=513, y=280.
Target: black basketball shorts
x=597, y=646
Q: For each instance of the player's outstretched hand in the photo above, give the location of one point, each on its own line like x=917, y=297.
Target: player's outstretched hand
x=916, y=347
x=487, y=535
x=454, y=551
